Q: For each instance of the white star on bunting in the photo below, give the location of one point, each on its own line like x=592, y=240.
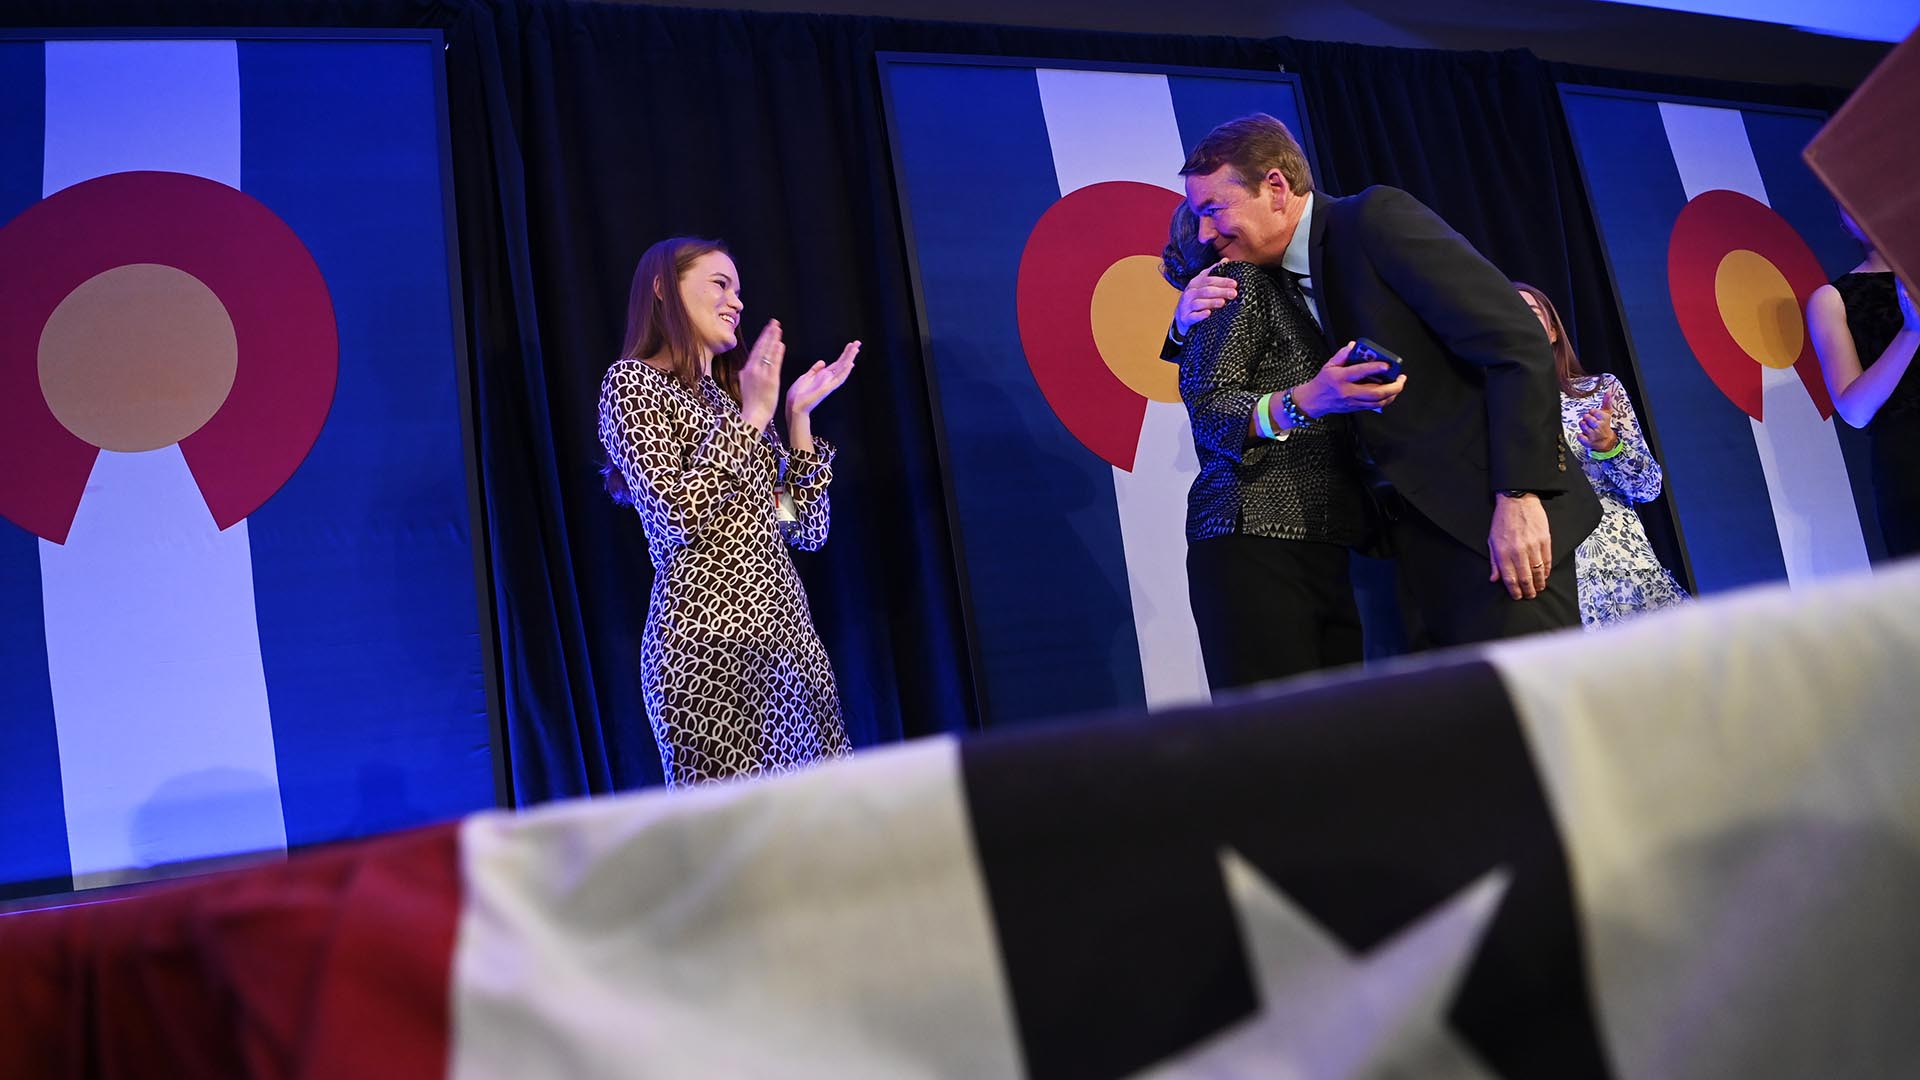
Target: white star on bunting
x=1327, y=1015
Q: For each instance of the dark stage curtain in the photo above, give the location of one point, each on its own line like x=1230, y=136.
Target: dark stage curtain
x=583, y=132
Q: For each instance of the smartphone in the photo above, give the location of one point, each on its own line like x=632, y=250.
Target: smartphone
x=1365, y=350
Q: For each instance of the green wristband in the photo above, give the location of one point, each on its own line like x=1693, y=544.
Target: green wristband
x=1619, y=444
x=1263, y=418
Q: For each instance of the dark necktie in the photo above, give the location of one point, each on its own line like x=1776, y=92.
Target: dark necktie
x=1296, y=292
x=1302, y=282
x=1308, y=328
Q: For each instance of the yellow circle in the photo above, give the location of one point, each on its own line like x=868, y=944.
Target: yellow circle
x=138, y=357
x=1132, y=305
x=1759, y=308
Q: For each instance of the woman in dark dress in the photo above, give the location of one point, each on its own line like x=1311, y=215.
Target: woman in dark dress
x=1866, y=332
x=735, y=679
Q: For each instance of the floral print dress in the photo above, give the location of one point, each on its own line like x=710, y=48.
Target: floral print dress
x=1617, y=571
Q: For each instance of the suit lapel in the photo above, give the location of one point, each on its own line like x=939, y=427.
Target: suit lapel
x=1316, y=263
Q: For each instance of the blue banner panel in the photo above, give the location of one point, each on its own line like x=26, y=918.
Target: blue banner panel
x=1716, y=234
x=1036, y=197
x=362, y=563
x=238, y=609
x=1202, y=101
x=1048, y=597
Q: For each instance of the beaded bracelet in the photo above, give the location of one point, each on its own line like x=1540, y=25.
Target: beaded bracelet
x=1294, y=412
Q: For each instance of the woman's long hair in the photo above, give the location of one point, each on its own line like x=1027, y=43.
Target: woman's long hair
x=657, y=321
x=659, y=327
x=1565, y=364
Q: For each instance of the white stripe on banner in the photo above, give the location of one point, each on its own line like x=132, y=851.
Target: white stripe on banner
x=698, y=932
x=1813, y=507
x=1111, y=125
x=153, y=646
x=1152, y=500
x=1734, y=788
x=159, y=697
x=1711, y=151
x=119, y=106
x=1108, y=125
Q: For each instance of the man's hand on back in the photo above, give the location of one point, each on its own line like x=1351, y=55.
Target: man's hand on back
x=1203, y=296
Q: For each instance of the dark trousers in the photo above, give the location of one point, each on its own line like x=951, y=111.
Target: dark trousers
x=1447, y=583
x=1269, y=608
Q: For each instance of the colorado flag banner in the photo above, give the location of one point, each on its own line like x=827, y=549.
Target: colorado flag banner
x=1036, y=198
x=238, y=609
x=1716, y=233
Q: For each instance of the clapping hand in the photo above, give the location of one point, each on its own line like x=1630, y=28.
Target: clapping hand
x=760, y=376
x=1596, y=427
x=821, y=379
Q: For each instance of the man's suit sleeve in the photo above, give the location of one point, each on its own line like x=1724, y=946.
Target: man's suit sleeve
x=1478, y=315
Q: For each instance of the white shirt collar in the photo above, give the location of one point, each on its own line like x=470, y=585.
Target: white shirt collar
x=1295, y=259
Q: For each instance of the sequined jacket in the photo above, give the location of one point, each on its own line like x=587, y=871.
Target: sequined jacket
x=1305, y=487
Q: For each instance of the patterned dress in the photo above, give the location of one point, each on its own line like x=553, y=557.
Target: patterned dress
x=736, y=681
x=1617, y=571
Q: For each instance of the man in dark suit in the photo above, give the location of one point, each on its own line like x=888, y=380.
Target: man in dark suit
x=1487, y=511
